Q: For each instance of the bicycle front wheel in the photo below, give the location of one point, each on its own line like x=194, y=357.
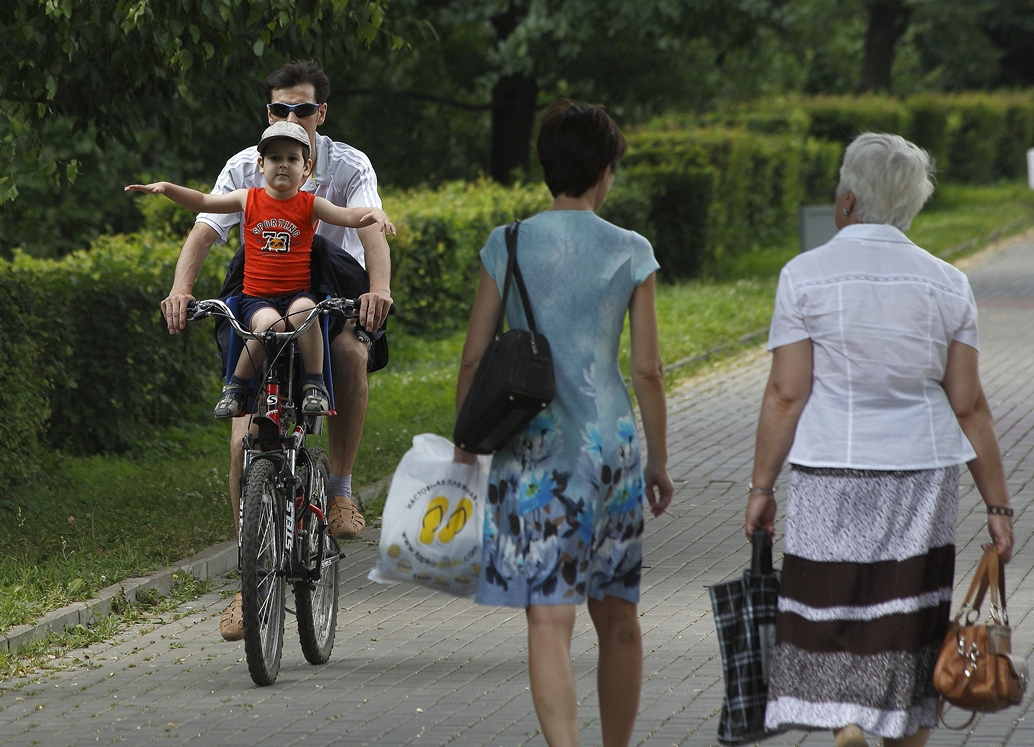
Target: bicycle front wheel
x=262, y=579
x=316, y=599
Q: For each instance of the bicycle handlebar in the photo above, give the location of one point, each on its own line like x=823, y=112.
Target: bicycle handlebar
x=344, y=307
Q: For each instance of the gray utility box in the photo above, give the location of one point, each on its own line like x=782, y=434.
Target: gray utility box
x=816, y=225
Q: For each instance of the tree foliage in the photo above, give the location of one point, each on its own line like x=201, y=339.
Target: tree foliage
x=502, y=60
x=120, y=65
x=128, y=89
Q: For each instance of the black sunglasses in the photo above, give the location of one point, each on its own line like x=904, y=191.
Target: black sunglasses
x=282, y=111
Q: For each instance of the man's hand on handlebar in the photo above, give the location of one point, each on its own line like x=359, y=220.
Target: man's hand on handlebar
x=174, y=309
x=374, y=308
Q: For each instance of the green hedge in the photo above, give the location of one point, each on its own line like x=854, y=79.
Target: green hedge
x=840, y=119
x=24, y=395
x=704, y=196
x=701, y=196
x=95, y=351
x=83, y=341
x=435, y=260
x=89, y=367
x=974, y=138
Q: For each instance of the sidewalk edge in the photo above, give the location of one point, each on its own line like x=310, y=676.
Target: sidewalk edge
x=210, y=563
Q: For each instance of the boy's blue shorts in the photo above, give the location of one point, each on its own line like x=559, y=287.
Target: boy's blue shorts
x=250, y=304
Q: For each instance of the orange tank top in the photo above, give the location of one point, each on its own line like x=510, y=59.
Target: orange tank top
x=277, y=243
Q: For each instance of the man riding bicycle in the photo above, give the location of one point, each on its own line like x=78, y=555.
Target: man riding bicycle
x=356, y=264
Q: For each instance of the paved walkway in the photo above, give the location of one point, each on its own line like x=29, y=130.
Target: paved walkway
x=411, y=667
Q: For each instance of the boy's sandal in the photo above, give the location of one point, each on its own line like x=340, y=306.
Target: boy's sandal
x=315, y=400
x=233, y=401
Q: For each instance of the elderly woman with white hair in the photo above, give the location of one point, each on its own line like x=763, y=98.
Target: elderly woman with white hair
x=874, y=398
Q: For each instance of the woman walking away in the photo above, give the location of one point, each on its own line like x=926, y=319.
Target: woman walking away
x=564, y=522
x=875, y=398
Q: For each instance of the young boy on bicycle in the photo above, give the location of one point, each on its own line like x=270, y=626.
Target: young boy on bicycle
x=279, y=223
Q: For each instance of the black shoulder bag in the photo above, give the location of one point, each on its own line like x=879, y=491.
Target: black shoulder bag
x=514, y=379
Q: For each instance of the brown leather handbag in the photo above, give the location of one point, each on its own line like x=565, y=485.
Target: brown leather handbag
x=976, y=669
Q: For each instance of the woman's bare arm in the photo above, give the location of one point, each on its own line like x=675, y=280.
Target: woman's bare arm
x=484, y=317
x=787, y=391
x=968, y=402
x=648, y=383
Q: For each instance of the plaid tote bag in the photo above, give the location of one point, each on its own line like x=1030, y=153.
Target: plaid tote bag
x=745, y=617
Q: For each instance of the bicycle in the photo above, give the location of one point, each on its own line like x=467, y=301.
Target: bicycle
x=282, y=527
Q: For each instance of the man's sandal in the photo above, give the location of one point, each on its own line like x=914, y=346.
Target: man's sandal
x=231, y=624
x=315, y=400
x=344, y=519
x=233, y=401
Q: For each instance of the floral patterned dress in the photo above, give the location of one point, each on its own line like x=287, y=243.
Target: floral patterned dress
x=564, y=519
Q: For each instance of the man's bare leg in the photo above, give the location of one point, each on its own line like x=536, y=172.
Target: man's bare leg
x=231, y=624
x=238, y=429
x=348, y=356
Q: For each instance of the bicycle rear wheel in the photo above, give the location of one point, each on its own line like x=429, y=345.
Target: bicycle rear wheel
x=262, y=580
x=316, y=600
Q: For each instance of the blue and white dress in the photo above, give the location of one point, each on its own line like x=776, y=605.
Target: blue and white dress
x=564, y=519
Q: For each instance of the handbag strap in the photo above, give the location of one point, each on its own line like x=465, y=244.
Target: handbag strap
x=996, y=578
x=511, y=262
x=761, y=556
x=514, y=269
x=989, y=575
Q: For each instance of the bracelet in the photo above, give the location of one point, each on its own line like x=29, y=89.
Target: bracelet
x=751, y=488
x=999, y=511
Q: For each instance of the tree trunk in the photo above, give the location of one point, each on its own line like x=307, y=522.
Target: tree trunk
x=514, y=98
x=888, y=20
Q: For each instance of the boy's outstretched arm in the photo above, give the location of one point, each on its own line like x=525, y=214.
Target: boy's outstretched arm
x=359, y=217
x=199, y=202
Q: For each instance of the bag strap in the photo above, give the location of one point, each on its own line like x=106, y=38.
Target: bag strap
x=977, y=589
x=511, y=265
x=996, y=579
x=942, y=707
x=511, y=249
x=761, y=556
x=989, y=575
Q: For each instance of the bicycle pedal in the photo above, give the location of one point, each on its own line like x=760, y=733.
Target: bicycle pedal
x=335, y=548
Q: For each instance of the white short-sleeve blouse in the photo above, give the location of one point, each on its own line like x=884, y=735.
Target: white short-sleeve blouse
x=880, y=313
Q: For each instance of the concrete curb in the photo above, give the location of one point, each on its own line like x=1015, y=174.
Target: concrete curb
x=209, y=563
x=215, y=561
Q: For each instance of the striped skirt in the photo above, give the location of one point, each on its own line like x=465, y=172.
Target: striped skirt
x=864, y=600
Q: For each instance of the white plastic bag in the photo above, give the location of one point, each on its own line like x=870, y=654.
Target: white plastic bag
x=432, y=522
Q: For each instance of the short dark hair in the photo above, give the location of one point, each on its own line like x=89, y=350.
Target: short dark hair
x=576, y=142
x=295, y=73
x=305, y=148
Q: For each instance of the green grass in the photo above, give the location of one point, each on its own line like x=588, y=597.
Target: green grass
x=44, y=653
x=960, y=219
x=86, y=523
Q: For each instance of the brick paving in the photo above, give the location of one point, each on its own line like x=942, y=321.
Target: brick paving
x=411, y=667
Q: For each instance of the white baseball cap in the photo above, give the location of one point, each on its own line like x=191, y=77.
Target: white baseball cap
x=289, y=130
